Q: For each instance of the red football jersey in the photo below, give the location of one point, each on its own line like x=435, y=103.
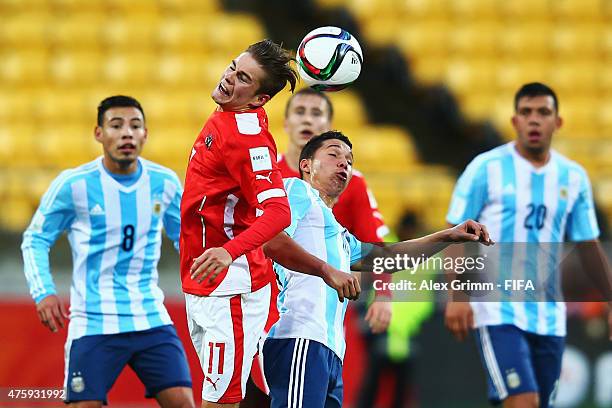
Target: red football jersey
x=231, y=172
x=356, y=209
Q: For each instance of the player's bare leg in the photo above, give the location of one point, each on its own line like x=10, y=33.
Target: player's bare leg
x=525, y=400
x=207, y=404
x=86, y=404
x=175, y=397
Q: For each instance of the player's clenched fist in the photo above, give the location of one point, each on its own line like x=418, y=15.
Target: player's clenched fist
x=51, y=312
x=470, y=231
x=210, y=264
x=345, y=284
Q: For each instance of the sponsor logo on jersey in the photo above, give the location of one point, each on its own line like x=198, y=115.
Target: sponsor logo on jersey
x=262, y=177
x=96, y=210
x=260, y=158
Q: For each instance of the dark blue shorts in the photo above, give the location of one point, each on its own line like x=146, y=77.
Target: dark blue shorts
x=518, y=362
x=302, y=373
x=94, y=362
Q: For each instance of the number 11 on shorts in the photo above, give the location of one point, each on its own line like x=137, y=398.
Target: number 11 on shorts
x=220, y=360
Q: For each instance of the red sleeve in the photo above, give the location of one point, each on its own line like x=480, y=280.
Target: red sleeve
x=275, y=218
x=250, y=156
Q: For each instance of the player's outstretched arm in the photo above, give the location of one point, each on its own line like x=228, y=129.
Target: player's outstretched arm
x=469, y=231
x=286, y=252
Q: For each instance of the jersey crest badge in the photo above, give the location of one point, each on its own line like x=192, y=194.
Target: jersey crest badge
x=208, y=141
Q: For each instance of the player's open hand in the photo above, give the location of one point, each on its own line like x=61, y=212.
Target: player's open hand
x=459, y=319
x=210, y=264
x=346, y=284
x=470, y=231
x=378, y=316
x=52, y=313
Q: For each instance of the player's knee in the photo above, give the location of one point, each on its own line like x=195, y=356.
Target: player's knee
x=526, y=400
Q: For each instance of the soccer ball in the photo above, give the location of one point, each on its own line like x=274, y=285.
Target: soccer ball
x=329, y=59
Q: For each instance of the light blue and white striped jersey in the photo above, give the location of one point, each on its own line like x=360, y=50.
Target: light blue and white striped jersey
x=520, y=203
x=115, y=235
x=308, y=308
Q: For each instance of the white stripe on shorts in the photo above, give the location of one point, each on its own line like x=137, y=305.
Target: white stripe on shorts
x=303, y=373
x=491, y=362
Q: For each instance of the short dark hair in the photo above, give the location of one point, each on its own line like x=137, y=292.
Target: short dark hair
x=535, y=89
x=314, y=144
x=117, y=101
x=275, y=61
x=311, y=91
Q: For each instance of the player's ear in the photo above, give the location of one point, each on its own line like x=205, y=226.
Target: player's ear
x=98, y=134
x=559, y=121
x=261, y=100
x=514, y=121
x=305, y=165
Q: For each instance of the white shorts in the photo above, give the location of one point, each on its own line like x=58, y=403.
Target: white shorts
x=225, y=331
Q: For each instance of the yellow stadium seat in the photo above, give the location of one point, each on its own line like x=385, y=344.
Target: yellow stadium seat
x=425, y=38
x=580, y=115
x=463, y=10
x=15, y=106
x=232, y=33
x=66, y=146
x=190, y=7
x=577, y=41
x=24, y=68
x=184, y=35
x=16, y=213
x=348, y=110
x=576, y=77
x=604, y=116
x=525, y=9
x=27, y=29
x=465, y=75
x=131, y=33
x=7, y=6
x=82, y=31
x=379, y=31
x=589, y=10
x=19, y=143
x=513, y=73
x=479, y=39
x=79, y=6
x=429, y=69
x=76, y=68
x=478, y=105
x=602, y=190
x=527, y=39
x=60, y=106
x=133, y=68
x=419, y=9
x=383, y=149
